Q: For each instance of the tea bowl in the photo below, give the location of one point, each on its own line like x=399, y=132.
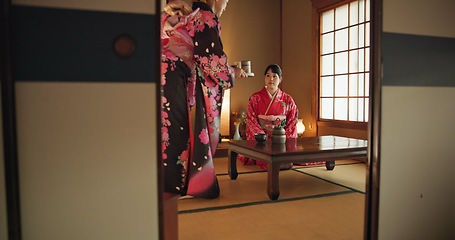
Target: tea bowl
x=260, y=137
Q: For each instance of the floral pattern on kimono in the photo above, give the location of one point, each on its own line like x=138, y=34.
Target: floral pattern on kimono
x=199, y=81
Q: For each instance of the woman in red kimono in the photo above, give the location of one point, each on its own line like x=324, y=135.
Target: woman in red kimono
x=268, y=108
x=195, y=71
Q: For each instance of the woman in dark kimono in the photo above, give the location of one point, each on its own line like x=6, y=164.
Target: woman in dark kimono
x=195, y=71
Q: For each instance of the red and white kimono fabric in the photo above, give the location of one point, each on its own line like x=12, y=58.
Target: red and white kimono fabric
x=264, y=112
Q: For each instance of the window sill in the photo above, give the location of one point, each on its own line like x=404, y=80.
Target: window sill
x=343, y=124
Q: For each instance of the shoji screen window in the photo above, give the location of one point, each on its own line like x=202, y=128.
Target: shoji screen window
x=344, y=53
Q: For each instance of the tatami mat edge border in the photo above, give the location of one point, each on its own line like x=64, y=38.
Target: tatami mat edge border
x=265, y=202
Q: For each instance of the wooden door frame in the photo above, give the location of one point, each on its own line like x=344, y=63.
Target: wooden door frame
x=374, y=125
x=10, y=159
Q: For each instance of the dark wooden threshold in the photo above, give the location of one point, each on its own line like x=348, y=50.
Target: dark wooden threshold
x=170, y=216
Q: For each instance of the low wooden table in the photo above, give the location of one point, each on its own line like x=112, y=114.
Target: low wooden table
x=295, y=150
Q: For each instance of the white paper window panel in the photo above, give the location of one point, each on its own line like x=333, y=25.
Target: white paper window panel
x=367, y=84
x=341, y=40
x=367, y=10
x=353, y=85
x=341, y=109
x=326, y=108
x=353, y=37
x=362, y=35
x=362, y=11
x=361, y=84
x=327, y=65
x=341, y=86
x=360, y=107
x=327, y=43
x=341, y=17
x=354, y=13
x=353, y=61
x=353, y=116
x=327, y=86
x=327, y=21
x=367, y=34
x=367, y=57
x=361, y=60
x=341, y=63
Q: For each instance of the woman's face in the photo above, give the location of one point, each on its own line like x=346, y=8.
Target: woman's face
x=219, y=6
x=272, y=80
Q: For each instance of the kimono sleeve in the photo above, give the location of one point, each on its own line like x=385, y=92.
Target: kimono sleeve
x=252, y=125
x=292, y=114
x=208, y=51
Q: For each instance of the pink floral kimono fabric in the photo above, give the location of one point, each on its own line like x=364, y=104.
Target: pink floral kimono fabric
x=187, y=81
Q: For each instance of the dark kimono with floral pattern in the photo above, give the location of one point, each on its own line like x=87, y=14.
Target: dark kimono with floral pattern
x=187, y=151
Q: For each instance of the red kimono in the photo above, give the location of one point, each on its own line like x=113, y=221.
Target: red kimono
x=195, y=71
x=265, y=111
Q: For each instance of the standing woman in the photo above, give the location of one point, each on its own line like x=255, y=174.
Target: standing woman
x=269, y=107
x=195, y=71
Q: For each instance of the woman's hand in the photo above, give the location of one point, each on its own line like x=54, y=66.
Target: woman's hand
x=240, y=73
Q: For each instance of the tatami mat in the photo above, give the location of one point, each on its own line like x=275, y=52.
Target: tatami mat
x=314, y=204
x=252, y=187
x=333, y=217
x=251, y=184
x=352, y=175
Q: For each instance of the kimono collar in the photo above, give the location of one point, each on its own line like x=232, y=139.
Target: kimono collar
x=277, y=93
x=174, y=21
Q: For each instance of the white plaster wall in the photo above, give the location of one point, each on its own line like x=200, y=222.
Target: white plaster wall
x=87, y=151
x=87, y=156
x=417, y=137
x=416, y=186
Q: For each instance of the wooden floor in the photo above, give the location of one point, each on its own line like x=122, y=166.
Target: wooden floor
x=314, y=204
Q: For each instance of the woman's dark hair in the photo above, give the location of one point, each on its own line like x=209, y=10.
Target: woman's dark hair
x=275, y=69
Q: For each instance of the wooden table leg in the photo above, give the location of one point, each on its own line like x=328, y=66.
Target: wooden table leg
x=329, y=165
x=273, y=184
x=232, y=164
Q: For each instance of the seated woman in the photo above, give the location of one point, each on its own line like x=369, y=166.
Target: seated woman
x=269, y=107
